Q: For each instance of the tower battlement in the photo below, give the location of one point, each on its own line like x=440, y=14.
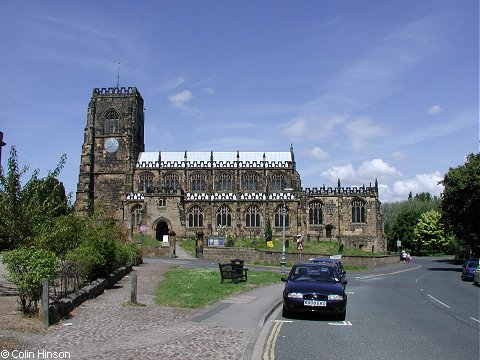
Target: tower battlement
x=115, y=90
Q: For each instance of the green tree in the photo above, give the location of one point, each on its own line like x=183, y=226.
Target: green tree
x=26, y=268
x=404, y=227
x=406, y=213
x=268, y=231
x=26, y=211
x=461, y=202
x=430, y=233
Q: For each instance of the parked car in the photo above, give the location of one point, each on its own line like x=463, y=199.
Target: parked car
x=476, y=277
x=468, y=268
x=314, y=288
x=338, y=266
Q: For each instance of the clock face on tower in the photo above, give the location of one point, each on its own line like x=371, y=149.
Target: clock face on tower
x=111, y=145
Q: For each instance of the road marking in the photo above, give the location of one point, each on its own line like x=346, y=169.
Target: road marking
x=392, y=273
x=438, y=301
x=344, y=323
x=474, y=319
x=269, y=353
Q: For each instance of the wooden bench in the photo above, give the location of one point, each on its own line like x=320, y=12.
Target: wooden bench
x=234, y=273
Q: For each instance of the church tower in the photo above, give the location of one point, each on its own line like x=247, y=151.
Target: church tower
x=113, y=139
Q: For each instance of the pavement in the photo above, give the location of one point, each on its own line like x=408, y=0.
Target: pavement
x=106, y=327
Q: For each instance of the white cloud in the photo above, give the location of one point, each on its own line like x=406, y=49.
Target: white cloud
x=399, y=156
x=376, y=168
x=296, y=128
x=180, y=99
x=318, y=153
x=435, y=110
x=208, y=90
x=363, y=131
x=366, y=172
x=421, y=183
x=345, y=172
x=312, y=127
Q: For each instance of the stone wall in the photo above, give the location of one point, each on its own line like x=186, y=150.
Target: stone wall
x=254, y=256
x=64, y=306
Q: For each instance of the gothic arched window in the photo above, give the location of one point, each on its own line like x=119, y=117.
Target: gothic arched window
x=250, y=182
x=145, y=183
x=224, y=182
x=136, y=216
x=198, y=181
x=279, y=215
x=358, y=211
x=195, y=216
x=315, y=213
x=224, y=216
x=252, y=217
x=278, y=182
x=112, y=122
x=171, y=181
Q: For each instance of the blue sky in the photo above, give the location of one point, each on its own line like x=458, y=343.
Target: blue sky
x=363, y=89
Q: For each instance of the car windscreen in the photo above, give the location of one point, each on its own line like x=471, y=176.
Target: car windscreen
x=472, y=264
x=313, y=273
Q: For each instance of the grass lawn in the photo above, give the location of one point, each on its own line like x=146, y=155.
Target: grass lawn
x=196, y=288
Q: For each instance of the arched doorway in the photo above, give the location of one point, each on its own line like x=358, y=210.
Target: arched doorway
x=162, y=229
x=328, y=232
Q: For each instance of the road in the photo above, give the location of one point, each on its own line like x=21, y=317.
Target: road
x=420, y=310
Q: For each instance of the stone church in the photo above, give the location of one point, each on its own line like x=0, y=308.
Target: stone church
x=235, y=193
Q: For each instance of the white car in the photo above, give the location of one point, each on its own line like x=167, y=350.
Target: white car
x=476, y=277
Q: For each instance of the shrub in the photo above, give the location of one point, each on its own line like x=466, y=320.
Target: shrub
x=26, y=268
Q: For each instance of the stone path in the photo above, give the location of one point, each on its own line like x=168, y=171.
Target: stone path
x=107, y=328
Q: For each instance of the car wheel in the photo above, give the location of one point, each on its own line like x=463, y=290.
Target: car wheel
x=285, y=313
x=342, y=315
x=475, y=282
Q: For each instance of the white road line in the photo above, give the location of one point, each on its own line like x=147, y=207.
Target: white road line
x=392, y=273
x=345, y=323
x=438, y=301
x=475, y=319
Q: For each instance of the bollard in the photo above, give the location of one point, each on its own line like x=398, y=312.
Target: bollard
x=44, y=304
x=133, y=283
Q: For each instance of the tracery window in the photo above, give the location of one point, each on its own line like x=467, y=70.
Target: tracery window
x=315, y=213
x=224, y=216
x=224, y=182
x=278, y=182
x=198, y=181
x=136, y=216
x=252, y=217
x=171, y=181
x=279, y=212
x=195, y=216
x=145, y=182
x=358, y=211
x=250, y=182
x=111, y=122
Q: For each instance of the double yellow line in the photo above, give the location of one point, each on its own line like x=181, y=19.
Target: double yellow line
x=269, y=352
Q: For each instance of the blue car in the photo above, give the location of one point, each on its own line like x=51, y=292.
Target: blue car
x=338, y=266
x=314, y=288
x=468, y=269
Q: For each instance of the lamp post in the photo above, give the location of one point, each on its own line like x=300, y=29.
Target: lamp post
x=283, y=260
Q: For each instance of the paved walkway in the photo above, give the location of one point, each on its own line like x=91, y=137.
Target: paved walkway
x=107, y=328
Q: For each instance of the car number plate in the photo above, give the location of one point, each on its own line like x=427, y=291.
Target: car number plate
x=314, y=303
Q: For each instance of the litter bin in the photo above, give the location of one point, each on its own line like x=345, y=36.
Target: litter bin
x=237, y=266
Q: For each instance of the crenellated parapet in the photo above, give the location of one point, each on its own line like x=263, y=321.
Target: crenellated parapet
x=346, y=191
x=115, y=90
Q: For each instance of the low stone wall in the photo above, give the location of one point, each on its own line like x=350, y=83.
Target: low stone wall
x=255, y=256
x=64, y=306
x=156, y=251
